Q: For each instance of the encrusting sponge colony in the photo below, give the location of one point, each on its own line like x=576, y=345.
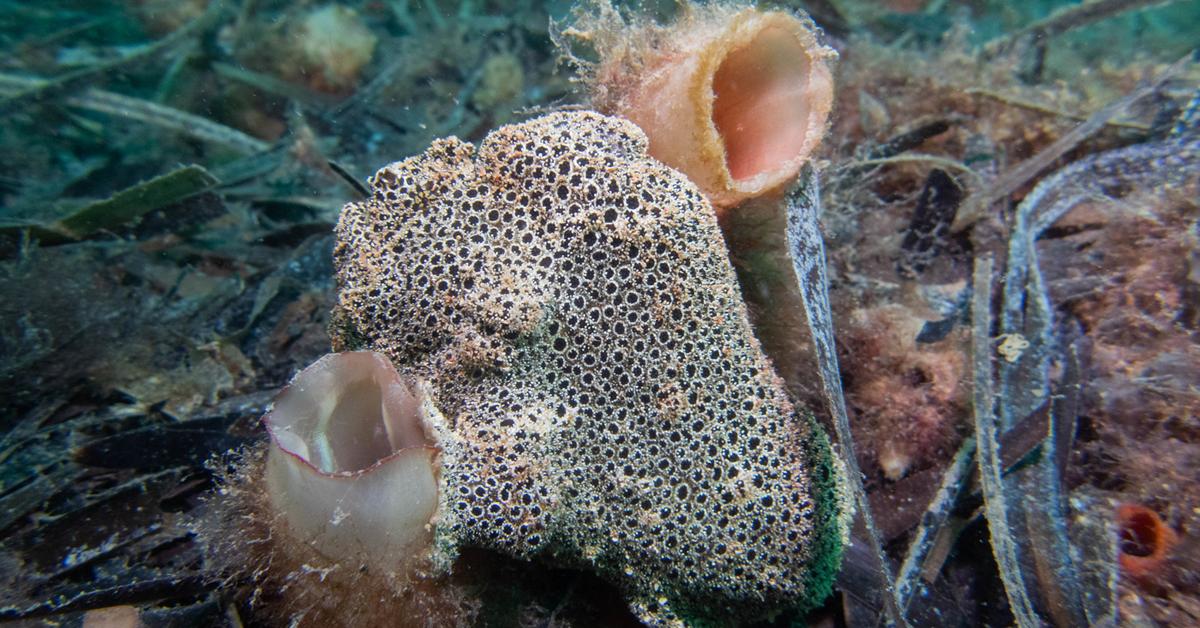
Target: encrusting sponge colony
x=569, y=336
x=545, y=353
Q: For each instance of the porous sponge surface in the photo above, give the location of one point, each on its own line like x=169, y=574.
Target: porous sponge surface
x=571, y=305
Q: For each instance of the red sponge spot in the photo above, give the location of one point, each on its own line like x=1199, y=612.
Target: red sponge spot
x=1145, y=540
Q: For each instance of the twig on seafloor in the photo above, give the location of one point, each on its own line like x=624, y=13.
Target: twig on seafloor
x=58, y=37
x=1016, y=101
x=977, y=205
x=385, y=78
x=1152, y=165
x=1066, y=19
x=908, y=140
x=273, y=85
x=129, y=108
x=353, y=182
x=45, y=89
x=942, y=162
x=912, y=570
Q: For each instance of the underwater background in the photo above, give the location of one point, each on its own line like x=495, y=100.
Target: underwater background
x=1010, y=224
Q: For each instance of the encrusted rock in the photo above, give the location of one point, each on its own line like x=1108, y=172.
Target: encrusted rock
x=569, y=304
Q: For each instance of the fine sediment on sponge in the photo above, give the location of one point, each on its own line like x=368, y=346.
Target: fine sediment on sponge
x=601, y=399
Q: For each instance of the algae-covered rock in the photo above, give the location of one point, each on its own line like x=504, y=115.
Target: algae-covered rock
x=570, y=305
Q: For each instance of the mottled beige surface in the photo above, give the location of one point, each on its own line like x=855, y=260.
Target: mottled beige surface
x=570, y=303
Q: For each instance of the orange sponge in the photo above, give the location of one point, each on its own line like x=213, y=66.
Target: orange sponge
x=1145, y=540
